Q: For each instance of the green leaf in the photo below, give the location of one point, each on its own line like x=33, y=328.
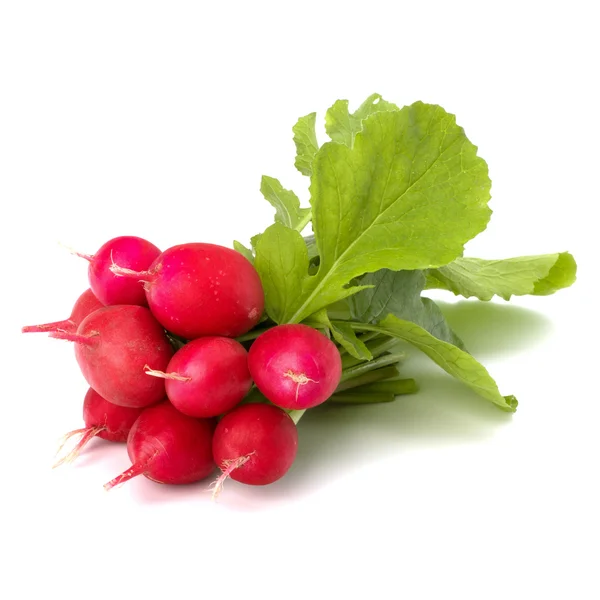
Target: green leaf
x=399, y=293
x=345, y=336
x=305, y=139
x=341, y=126
x=243, y=250
x=282, y=264
x=537, y=275
x=311, y=246
x=342, y=333
x=286, y=204
x=453, y=360
x=409, y=194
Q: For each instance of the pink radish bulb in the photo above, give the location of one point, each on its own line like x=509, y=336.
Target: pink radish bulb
x=254, y=444
x=207, y=377
x=112, y=346
x=168, y=447
x=295, y=366
x=86, y=303
x=103, y=419
x=197, y=290
x=129, y=252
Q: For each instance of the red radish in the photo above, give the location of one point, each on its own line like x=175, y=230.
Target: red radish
x=112, y=346
x=254, y=444
x=295, y=366
x=168, y=447
x=86, y=303
x=198, y=289
x=103, y=419
x=207, y=377
x=129, y=252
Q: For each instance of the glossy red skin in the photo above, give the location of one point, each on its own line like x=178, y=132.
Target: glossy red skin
x=218, y=368
x=118, y=420
x=129, y=252
x=262, y=429
x=181, y=446
x=86, y=304
x=297, y=349
x=203, y=289
x=123, y=339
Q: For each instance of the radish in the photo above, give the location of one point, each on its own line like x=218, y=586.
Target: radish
x=295, y=366
x=103, y=419
x=112, y=345
x=168, y=447
x=86, y=303
x=199, y=289
x=128, y=251
x=207, y=377
x=254, y=444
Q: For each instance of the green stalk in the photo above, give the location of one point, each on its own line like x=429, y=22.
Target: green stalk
x=304, y=222
x=367, y=378
x=252, y=335
x=296, y=415
x=397, y=387
x=372, y=365
x=377, y=347
x=350, y=398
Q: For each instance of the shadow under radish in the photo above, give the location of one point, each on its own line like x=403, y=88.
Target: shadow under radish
x=493, y=329
x=335, y=441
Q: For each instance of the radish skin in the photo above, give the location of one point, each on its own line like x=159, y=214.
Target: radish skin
x=295, y=366
x=130, y=252
x=103, y=419
x=207, y=377
x=112, y=346
x=86, y=304
x=168, y=447
x=197, y=290
x=254, y=444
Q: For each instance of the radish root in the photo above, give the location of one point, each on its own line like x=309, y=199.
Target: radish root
x=88, y=257
x=85, y=436
x=87, y=340
x=299, y=379
x=66, y=325
x=138, y=468
x=163, y=375
x=228, y=466
x=124, y=272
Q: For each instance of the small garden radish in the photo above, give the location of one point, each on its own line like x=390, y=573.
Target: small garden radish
x=295, y=366
x=200, y=289
x=254, y=444
x=207, y=377
x=103, y=419
x=112, y=346
x=84, y=305
x=168, y=447
x=127, y=251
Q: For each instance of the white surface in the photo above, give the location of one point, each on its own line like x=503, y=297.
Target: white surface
x=158, y=119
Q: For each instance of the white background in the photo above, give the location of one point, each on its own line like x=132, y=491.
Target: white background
x=157, y=119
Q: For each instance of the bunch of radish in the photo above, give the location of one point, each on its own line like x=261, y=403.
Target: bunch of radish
x=154, y=338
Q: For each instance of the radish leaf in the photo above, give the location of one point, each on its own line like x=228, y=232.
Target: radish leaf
x=453, y=360
x=282, y=264
x=408, y=195
x=305, y=139
x=341, y=126
x=537, y=275
x=286, y=204
x=399, y=293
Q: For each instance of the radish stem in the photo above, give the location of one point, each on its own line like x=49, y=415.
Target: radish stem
x=366, y=378
x=373, y=398
x=372, y=365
